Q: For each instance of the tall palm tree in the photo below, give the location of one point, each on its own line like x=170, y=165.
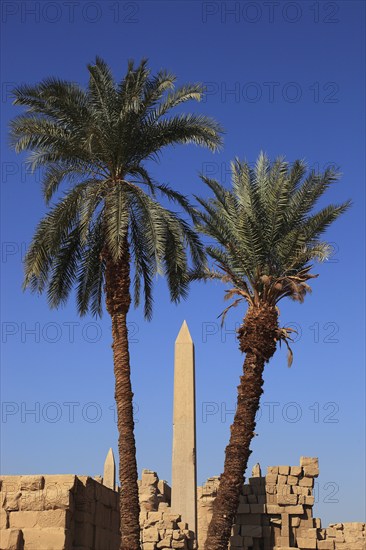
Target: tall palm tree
x=266, y=238
x=108, y=225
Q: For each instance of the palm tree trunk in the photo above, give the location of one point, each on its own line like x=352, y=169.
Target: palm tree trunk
x=257, y=340
x=118, y=302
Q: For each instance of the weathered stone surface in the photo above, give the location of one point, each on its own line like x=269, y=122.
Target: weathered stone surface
x=251, y=531
x=306, y=544
x=3, y=519
x=325, y=545
x=11, y=539
x=31, y=483
x=310, y=466
x=150, y=535
x=47, y=518
x=46, y=539
x=10, y=484
x=306, y=482
x=11, y=501
x=90, y=518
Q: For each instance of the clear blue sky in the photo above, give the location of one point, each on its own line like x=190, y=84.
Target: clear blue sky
x=284, y=77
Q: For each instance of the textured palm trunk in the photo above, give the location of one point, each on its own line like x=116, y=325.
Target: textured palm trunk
x=118, y=303
x=257, y=340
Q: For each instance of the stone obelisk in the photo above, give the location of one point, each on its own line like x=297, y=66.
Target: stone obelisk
x=109, y=475
x=184, y=469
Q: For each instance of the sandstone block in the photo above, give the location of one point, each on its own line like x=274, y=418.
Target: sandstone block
x=296, y=471
x=103, y=538
x=247, y=490
x=179, y=544
x=11, y=539
x=296, y=510
x=31, y=483
x=271, y=478
x=274, y=509
x=325, y=544
x=271, y=489
x=149, y=477
x=292, y=480
x=301, y=490
x=154, y=517
x=84, y=534
x=257, y=508
x=284, y=470
x=46, y=539
x=10, y=484
x=272, y=470
x=307, y=533
x=244, y=508
x=310, y=466
x=164, y=543
x=11, y=501
x=287, y=499
x=169, y=516
x=150, y=535
x=306, y=544
x=307, y=500
x=236, y=540
x=254, y=531
x=282, y=479
x=46, y=518
x=3, y=519
x=306, y=482
x=249, y=519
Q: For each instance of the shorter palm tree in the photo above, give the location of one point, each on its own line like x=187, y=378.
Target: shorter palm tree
x=267, y=239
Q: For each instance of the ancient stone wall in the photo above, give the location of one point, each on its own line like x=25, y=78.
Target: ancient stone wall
x=276, y=513
x=160, y=527
x=70, y=512
x=62, y=512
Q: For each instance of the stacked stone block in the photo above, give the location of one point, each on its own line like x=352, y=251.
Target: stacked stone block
x=70, y=512
x=344, y=536
x=57, y=512
x=160, y=528
x=276, y=513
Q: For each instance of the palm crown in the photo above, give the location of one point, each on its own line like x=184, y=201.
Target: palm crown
x=267, y=237
x=97, y=140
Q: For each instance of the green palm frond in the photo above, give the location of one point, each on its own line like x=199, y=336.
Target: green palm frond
x=267, y=236
x=93, y=144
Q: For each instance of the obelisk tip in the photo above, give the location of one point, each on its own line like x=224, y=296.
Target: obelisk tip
x=184, y=336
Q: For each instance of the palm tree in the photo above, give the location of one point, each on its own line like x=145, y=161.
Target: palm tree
x=266, y=239
x=106, y=227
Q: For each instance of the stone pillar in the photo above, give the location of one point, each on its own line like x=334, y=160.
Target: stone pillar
x=109, y=475
x=184, y=469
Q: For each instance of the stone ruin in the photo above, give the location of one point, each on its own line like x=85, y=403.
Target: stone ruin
x=69, y=512
x=276, y=513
